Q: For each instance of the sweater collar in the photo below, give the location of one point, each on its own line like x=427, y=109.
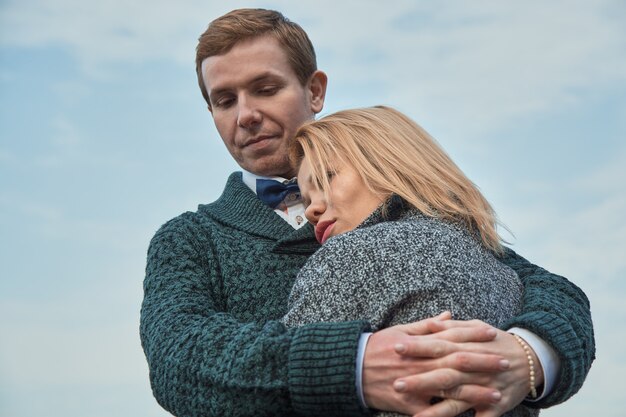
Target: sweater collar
x=239, y=207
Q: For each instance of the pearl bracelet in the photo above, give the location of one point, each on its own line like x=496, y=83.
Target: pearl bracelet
x=531, y=364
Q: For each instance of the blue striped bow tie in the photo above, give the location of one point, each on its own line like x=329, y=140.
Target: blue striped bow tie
x=273, y=192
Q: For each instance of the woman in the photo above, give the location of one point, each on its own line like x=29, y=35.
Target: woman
x=405, y=234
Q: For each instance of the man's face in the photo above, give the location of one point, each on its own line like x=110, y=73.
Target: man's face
x=258, y=103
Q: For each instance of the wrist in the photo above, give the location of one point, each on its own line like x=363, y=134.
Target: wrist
x=381, y=367
x=535, y=373
x=549, y=361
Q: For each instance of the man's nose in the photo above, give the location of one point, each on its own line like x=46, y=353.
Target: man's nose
x=249, y=115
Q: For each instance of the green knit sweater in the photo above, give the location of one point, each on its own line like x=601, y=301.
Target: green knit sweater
x=217, y=282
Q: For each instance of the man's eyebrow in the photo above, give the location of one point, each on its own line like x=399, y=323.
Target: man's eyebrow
x=268, y=76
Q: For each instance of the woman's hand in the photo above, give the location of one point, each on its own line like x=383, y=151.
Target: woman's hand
x=454, y=383
x=447, y=363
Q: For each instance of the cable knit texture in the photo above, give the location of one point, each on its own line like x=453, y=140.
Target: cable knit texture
x=217, y=283
x=558, y=312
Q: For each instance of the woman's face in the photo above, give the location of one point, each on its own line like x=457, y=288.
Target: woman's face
x=349, y=201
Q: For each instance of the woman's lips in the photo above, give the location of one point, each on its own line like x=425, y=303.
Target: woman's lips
x=322, y=230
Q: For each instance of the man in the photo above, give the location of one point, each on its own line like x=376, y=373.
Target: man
x=218, y=279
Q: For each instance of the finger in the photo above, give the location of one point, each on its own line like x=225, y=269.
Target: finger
x=432, y=346
x=425, y=348
x=475, y=362
x=446, y=315
x=462, y=331
x=423, y=326
x=472, y=393
x=465, y=334
x=446, y=408
x=464, y=323
x=450, y=383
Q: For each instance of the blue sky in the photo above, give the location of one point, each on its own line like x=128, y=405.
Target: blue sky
x=104, y=136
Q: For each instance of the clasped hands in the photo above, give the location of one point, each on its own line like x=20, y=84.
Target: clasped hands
x=469, y=364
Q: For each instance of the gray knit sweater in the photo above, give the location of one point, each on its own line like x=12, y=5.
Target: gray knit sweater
x=401, y=267
x=408, y=269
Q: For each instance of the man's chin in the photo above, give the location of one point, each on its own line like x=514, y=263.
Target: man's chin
x=269, y=169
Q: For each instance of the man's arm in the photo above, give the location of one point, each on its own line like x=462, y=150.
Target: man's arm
x=555, y=310
x=204, y=362
x=558, y=312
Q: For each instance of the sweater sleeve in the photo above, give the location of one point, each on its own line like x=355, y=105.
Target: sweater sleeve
x=557, y=311
x=204, y=362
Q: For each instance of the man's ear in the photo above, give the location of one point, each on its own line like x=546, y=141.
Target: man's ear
x=317, y=89
x=210, y=109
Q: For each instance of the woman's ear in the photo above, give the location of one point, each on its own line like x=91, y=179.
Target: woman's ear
x=317, y=89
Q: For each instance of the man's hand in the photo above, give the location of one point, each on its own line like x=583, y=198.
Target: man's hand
x=396, y=356
x=513, y=384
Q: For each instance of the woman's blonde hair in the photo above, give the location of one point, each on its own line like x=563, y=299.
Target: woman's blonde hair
x=394, y=155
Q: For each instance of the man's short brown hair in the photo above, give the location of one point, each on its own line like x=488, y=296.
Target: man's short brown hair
x=226, y=31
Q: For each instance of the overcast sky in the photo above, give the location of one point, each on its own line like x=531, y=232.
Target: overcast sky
x=104, y=136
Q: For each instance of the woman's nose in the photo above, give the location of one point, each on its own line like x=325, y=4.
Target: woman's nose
x=315, y=209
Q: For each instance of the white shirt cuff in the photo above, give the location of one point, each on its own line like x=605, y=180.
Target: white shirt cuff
x=548, y=359
x=359, y=367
